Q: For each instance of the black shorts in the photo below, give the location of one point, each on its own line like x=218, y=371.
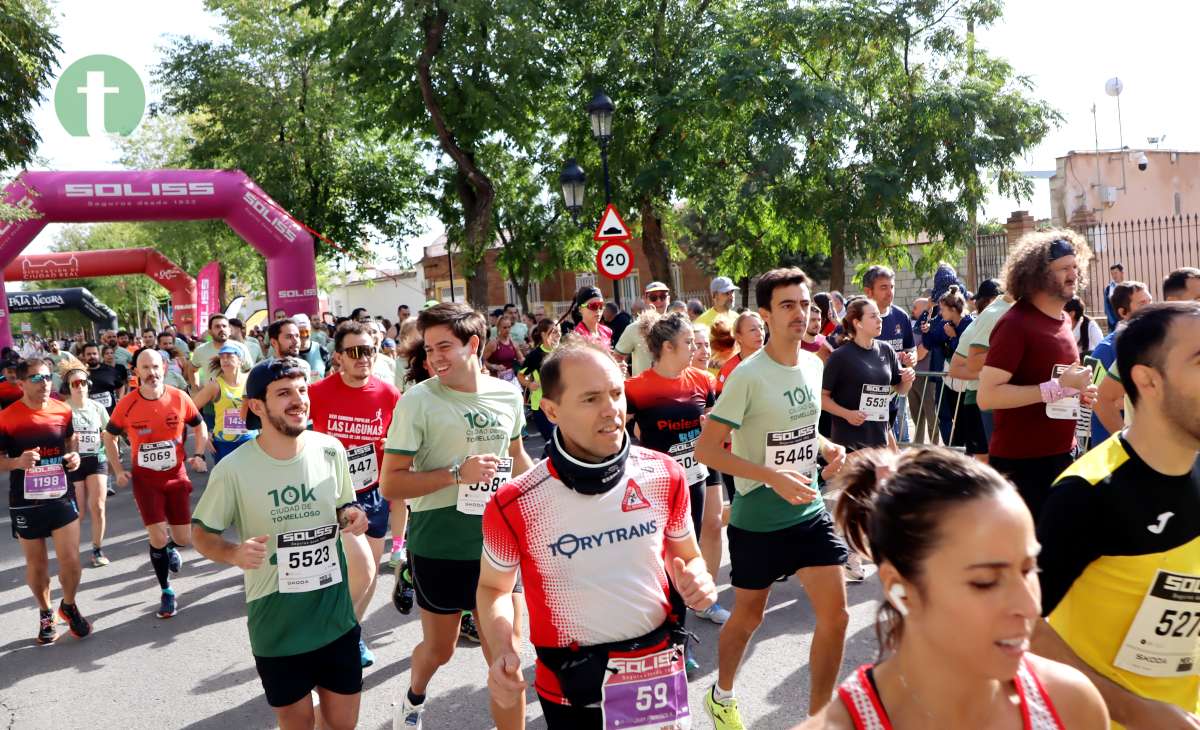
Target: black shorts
x=39, y=521
x=968, y=429
x=447, y=586
x=336, y=667
x=758, y=559
x=378, y=511
x=566, y=717
x=88, y=465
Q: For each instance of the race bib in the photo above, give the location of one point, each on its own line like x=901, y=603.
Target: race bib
x=646, y=692
x=157, y=456
x=233, y=423
x=874, y=401
x=684, y=454
x=45, y=482
x=308, y=559
x=1164, y=638
x=364, y=467
x=89, y=441
x=794, y=450
x=104, y=398
x=472, y=498
x=1063, y=409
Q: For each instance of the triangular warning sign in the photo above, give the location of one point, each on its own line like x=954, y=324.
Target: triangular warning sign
x=634, y=499
x=611, y=227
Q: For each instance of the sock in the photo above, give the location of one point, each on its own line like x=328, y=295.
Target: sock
x=415, y=699
x=721, y=695
x=45, y=611
x=397, y=546
x=158, y=559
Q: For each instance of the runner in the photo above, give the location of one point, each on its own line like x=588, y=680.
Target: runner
x=301, y=620
x=307, y=350
x=668, y=403
x=1182, y=285
x=225, y=392
x=10, y=388
x=284, y=336
x=703, y=347
x=545, y=338
x=632, y=345
x=814, y=341
x=724, y=297
x=958, y=560
x=356, y=407
x=108, y=382
x=501, y=356
x=778, y=526
x=155, y=418
x=454, y=439
x=589, y=302
x=748, y=334
x=879, y=284
x=860, y=378
x=39, y=448
x=1120, y=534
x=204, y=355
x=1032, y=378
x=88, y=419
x=971, y=352
x=237, y=333
x=1127, y=297
x=593, y=602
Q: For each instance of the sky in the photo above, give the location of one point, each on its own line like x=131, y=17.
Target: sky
x=1068, y=48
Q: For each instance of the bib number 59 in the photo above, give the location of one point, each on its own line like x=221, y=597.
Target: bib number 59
x=652, y=698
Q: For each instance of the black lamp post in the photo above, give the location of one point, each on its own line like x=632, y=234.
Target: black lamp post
x=600, y=111
x=573, y=180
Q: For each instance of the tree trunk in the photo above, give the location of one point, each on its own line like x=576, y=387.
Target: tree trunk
x=655, y=249
x=744, y=285
x=837, y=268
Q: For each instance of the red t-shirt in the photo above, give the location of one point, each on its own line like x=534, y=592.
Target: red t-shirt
x=726, y=369
x=603, y=336
x=667, y=412
x=359, y=418
x=155, y=429
x=1028, y=344
x=22, y=428
x=9, y=393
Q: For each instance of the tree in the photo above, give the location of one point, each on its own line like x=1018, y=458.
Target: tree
x=28, y=56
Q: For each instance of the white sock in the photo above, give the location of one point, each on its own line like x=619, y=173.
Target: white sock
x=721, y=695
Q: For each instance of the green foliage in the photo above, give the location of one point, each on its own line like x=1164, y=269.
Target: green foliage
x=28, y=54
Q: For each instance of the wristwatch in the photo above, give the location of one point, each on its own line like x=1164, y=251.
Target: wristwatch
x=456, y=469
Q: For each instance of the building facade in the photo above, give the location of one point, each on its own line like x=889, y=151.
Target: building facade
x=1110, y=186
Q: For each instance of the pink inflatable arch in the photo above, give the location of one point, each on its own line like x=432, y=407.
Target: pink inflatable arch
x=95, y=197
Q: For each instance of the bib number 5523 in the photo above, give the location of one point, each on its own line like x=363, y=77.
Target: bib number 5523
x=308, y=558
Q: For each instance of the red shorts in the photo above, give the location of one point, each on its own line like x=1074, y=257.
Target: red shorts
x=168, y=502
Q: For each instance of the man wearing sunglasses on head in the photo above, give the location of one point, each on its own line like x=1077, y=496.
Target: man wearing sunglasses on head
x=632, y=346
x=38, y=443
x=356, y=407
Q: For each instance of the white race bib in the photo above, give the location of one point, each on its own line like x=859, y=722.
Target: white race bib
x=364, y=467
x=874, y=401
x=1164, y=638
x=157, y=456
x=104, y=398
x=48, y=481
x=308, y=559
x=472, y=498
x=1063, y=409
x=794, y=450
x=89, y=441
x=684, y=454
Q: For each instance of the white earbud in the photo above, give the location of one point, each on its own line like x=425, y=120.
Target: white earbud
x=896, y=596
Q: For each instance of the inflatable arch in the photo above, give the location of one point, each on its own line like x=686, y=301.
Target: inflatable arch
x=52, y=300
x=86, y=264
x=97, y=197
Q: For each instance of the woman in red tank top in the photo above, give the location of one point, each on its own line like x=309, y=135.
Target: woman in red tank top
x=501, y=355
x=957, y=557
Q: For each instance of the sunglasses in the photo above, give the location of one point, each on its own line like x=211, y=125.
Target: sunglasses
x=356, y=352
x=40, y=378
x=595, y=306
x=78, y=383
x=658, y=296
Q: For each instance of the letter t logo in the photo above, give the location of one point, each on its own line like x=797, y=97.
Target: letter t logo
x=94, y=93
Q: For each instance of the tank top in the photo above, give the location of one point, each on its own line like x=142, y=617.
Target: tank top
x=866, y=710
x=505, y=356
x=228, y=423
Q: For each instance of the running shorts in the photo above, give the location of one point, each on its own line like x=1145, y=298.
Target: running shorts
x=336, y=667
x=170, y=503
x=88, y=465
x=446, y=586
x=377, y=510
x=39, y=521
x=758, y=559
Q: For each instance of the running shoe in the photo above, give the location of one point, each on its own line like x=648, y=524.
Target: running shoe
x=467, y=629
x=715, y=613
x=174, y=562
x=46, y=631
x=690, y=665
x=853, y=569
x=98, y=558
x=80, y=626
x=408, y=717
x=365, y=655
x=725, y=715
x=169, y=606
x=112, y=492
x=403, y=594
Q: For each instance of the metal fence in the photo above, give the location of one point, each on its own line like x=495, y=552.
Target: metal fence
x=990, y=252
x=1149, y=249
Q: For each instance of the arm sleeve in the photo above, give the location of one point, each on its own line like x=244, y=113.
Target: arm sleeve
x=1069, y=530
x=217, y=507
x=406, y=434
x=1006, y=348
x=679, y=509
x=730, y=408
x=500, y=545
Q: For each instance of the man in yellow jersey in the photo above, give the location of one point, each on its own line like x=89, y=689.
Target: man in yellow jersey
x=1120, y=536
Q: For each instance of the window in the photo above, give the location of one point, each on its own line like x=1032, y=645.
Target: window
x=533, y=295
x=582, y=280
x=677, y=281
x=631, y=289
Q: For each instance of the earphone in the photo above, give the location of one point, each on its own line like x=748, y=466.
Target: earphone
x=896, y=596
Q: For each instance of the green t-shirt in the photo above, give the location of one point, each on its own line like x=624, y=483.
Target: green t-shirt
x=206, y=352
x=634, y=345
x=438, y=426
x=259, y=495
x=88, y=421
x=122, y=357
x=760, y=397
x=253, y=348
x=980, y=334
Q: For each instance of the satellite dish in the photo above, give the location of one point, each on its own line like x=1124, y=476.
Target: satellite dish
x=1114, y=87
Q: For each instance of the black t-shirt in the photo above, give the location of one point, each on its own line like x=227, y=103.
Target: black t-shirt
x=847, y=373
x=106, y=381
x=618, y=325
x=533, y=362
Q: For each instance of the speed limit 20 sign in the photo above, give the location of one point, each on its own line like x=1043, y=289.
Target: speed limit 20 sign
x=614, y=260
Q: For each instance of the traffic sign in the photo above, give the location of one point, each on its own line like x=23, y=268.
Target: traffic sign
x=611, y=227
x=614, y=260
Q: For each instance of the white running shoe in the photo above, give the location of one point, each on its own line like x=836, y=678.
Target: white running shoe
x=715, y=613
x=408, y=717
x=854, y=570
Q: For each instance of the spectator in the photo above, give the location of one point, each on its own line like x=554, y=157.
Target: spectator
x=1182, y=285
x=617, y=320
x=695, y=308
x=1087, y=332
x=724, y=296
x=1116, y=274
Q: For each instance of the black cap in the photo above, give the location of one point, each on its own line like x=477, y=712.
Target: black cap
x=989, y=289
x=587, y=294
x=263, y=374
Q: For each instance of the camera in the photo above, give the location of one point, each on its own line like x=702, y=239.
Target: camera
x=1143, y=162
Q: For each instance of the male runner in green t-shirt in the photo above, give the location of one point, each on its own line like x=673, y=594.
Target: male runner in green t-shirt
x=287, y=493
x=454, y=440
x=778, y=526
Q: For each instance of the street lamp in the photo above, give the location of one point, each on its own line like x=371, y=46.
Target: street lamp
x=600, y=109
x=572, y=180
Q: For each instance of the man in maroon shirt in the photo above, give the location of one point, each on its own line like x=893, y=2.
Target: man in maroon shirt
x=1032, y=378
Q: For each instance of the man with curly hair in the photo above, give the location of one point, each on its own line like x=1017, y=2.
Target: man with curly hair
x=1032, y=378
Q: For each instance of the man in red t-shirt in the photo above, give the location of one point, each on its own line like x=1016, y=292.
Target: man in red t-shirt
x=356, y=407
x=155, y=418
x=1032, y=378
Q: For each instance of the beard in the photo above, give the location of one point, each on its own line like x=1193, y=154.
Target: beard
x=1182, y=410
x=283, y=427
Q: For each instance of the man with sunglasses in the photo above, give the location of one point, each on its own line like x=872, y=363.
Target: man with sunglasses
x=356, y=407
x=632, y=346
x=39, y=448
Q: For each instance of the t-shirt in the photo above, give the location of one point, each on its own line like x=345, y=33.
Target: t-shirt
x=252, y=346
x=203, y=354
x=359, y=418
x=667, y=412
x=856, y=376
x=763, y=400
x=1106, y=353
x=633, y=344
x=979, y=334
x=593, y=565
x=48, y=429
x=1115, y=373
x=814, y=346
x=603, y=336
x=1028, y=344
x=439, y=426
x=155, y=429
x=120, y=354
x=316, y=362
x=727, y=370
x=87, y=422
x=259, y=495
x=709, y=317
x=531, y=368
x=106, y=381
x=383, y=367
x=1120, y=571
x=10, y=393
x=897, y=330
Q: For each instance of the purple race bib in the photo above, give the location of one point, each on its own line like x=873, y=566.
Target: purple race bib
x=646, y=692
x=45, y=482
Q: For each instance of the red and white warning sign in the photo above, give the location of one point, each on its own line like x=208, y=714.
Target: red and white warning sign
x=614, y=260
x=611, y=227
